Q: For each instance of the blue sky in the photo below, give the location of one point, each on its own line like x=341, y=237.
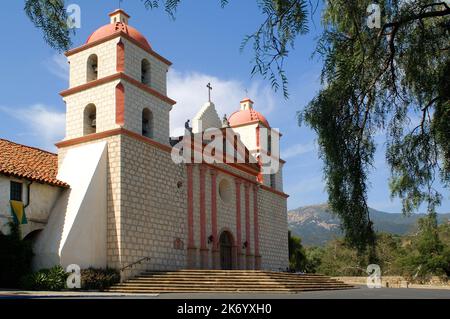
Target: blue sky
x=203, y=43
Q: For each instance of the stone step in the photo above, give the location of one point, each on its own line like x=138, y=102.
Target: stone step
x=209, y=284
x=229, y=272
x=221, y=290
x=227, y=281
x=219, y=280
x=226, y=277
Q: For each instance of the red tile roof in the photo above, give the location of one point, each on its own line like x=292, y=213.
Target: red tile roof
x=30, y=163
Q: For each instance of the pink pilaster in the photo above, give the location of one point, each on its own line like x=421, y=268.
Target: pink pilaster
x=239, y=263
x=215, y=244
x=203, y=244
x=248, y=254
x=256, y=227
x=191, y=260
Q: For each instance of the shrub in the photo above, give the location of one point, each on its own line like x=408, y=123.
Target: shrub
x=99, y=279
x=15, y=258
x=46, y=279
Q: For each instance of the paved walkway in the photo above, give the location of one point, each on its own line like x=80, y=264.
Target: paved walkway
x=358, y=293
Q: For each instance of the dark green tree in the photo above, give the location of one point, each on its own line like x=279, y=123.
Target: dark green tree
x=15, y=257
x=427, y=254
x=297, y=254
x=393, y=79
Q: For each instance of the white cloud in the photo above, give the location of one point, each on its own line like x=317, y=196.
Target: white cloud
x=190, y=92
x=298, y=149
x=58, y=65
x=39, y=120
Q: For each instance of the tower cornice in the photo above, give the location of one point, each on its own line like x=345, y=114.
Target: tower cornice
x=113, y=36
x=114, y=77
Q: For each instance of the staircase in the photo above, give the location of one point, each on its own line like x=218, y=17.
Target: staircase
x=227, y=281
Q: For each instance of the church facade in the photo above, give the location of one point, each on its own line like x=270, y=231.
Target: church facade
x=117, y=194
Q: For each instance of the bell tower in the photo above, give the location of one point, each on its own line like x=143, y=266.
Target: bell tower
x=117, y=81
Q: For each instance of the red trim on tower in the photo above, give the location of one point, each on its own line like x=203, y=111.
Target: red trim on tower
x=120, y=104
x=120, y=57
x=113, y=36
x=113, y=77
x=238, y=183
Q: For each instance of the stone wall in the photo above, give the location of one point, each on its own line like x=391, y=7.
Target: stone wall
x=135, y=101
x=107, y=60
x=158, y=70
x=273, y=230
x=104, y=99
x=152, y=208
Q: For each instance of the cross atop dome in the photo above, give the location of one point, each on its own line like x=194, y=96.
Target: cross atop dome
x=119, y=15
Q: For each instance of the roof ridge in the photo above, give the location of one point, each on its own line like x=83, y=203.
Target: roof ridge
x=32, y=147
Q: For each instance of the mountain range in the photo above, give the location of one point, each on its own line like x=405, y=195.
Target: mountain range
x=316, y=224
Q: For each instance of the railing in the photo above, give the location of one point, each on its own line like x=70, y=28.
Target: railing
x=135, y=263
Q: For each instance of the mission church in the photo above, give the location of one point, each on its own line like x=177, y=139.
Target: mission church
x=112, y=195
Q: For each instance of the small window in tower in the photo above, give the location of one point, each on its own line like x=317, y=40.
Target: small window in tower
x=147, y=123
x=272, y=181
x=92, y=68
x=145, y=72
x=16, y=191
x=269, y=145
x=90, y=120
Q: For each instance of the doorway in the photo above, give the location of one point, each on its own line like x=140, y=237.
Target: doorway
x=226, y=250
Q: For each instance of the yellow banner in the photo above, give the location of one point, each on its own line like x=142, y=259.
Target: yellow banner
x=18, y=211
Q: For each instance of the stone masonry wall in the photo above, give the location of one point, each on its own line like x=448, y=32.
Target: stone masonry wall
x=135, y=101
x=107, y=60
x=153, y=209
x=158, y=70
x=104, y=99
x=273, y=230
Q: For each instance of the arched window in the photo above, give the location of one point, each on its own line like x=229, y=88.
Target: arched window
x=147, y=123
x=90, y=120
x=92, y=68
x=145, y=72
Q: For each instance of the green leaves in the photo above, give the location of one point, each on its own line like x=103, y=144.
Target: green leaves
x=285, y=21
x=51, y=17
x=382, y=80
x=52, y=279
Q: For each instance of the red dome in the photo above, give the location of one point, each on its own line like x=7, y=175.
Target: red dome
x=117, y=27
x=247, y=116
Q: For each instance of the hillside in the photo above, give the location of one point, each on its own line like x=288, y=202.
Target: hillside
x=316, y=225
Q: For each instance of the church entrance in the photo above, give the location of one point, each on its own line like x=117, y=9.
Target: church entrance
x=226, y=246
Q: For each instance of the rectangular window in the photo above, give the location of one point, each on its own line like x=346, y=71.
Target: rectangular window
x=272, y=181
x=16, y=191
